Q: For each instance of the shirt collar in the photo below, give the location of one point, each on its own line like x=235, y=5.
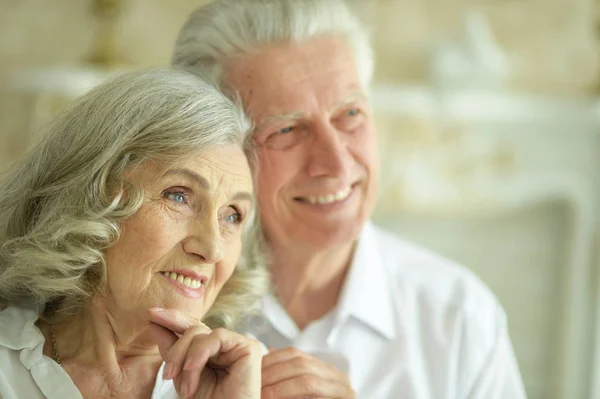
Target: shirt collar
x=17, y=328
x=366, y=294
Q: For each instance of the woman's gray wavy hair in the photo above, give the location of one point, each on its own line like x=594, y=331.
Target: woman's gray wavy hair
x=63, y=205
x=222, y=29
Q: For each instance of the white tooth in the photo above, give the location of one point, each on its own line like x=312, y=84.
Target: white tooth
x=187, y=282
x=330, y=198
x=342, y=194
x=180, y=279
x=196, y=284
x=321, y=199
x=173, y=276
x=311, y=200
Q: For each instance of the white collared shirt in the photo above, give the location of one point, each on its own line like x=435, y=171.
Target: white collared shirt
x=409, y=325
x=25, y=372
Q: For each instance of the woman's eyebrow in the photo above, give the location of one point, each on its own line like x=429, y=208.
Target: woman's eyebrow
x=242, y=196
x=202, y=182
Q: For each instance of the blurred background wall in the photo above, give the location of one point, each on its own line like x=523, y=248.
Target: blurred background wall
x=489, y=122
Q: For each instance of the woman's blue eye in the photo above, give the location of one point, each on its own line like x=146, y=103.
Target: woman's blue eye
x=235, y=218
x=285, y=130
x=352, y=112
x=177, y=197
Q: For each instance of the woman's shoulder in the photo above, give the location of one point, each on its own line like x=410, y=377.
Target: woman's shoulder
x=18, y=329
x=24, y=370
x=16, y=380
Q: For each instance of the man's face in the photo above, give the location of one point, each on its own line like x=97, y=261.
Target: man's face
x=317, y=145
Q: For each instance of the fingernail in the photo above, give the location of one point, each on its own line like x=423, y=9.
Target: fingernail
x=168, y=371
x=157, y=309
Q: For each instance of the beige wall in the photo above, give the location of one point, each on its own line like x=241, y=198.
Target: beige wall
x=551, y=44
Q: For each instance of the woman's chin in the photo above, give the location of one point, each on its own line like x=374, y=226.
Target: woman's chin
x=184, y=304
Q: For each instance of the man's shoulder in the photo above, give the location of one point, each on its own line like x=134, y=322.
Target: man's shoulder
x=427, y=279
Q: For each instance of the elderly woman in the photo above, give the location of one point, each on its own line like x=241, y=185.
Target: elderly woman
x=119, y=232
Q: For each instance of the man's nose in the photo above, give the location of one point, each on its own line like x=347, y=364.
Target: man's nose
x=204, y=240
x=328, y=154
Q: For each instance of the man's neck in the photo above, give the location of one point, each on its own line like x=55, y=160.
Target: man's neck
x=308, y=282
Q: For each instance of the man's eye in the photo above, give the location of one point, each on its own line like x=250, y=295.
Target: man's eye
x=352, y=112
x=285, y=129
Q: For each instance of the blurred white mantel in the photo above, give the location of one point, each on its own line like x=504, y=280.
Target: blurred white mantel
x=554, y=155
x=483, y=105
x=69, y=81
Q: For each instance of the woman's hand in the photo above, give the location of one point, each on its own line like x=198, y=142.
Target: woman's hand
x=204, y=363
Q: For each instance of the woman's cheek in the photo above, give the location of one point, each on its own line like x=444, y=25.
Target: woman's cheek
x=227, y=266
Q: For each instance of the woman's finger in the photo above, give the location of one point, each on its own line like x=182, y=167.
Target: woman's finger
x=177, y=355
x=175, y=320
x=164, y=338
x=188, y=382
x=202, y=349
x=220, y=349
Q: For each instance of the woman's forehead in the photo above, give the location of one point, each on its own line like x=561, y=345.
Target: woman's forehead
x=220, y=167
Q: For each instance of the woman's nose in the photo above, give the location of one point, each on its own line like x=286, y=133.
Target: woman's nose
x=205, y=241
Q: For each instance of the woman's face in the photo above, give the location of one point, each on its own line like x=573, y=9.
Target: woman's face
x=182, y=245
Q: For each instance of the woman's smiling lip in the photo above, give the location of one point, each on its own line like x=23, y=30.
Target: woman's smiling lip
x=189, y=273
x=194, y=289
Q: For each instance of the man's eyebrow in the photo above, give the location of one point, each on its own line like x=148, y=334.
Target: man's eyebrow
x=355, y=96
x=202, y=182
x=280, y=117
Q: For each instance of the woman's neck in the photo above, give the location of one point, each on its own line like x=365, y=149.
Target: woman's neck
x=106, y=343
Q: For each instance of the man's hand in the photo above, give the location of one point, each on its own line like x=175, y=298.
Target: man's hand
x=289, y=373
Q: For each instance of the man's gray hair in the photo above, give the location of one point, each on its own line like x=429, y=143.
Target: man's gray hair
x=226, y=28
x=63, y=205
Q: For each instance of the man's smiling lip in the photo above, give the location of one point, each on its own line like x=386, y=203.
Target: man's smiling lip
x=331, y=197
x=330, y=208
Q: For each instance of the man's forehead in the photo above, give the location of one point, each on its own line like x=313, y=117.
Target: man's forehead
x=283, y=66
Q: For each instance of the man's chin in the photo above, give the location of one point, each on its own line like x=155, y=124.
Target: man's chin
x=333, y=236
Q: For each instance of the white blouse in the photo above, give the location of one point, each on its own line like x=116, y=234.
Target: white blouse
x=25, y=372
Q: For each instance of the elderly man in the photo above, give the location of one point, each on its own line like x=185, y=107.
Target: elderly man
x=355, y=310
